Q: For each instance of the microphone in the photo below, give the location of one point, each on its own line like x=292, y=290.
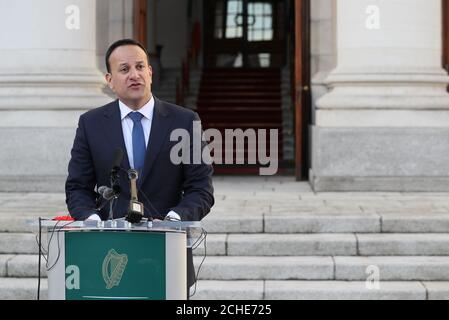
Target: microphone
x=135, y=211
x=116, y=166
x=118, y=157
x=115, y=181
x=115, y=169
x=106, y=192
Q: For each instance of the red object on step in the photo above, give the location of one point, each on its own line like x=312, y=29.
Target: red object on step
x=63, y=218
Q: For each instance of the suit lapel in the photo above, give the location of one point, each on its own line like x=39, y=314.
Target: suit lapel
x=112, y=126
x=160, y=127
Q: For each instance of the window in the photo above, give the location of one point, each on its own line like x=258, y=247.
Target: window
x=234, y=18
x=260, y=21
x=229, y=21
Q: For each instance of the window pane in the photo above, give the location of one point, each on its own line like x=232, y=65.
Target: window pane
x=267, y=9
x=233, y=6
x=268, y=23
x=258, y=23
x=230, y=21
x=239, y=32
x=262, y=15
x=268, y=35
x=231, y=32
x=234, y=19
x=258, y=8
x=251, y=8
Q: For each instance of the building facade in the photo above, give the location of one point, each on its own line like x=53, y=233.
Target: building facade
x=361, y=100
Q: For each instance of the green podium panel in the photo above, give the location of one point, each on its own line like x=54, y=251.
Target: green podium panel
x=106, y=264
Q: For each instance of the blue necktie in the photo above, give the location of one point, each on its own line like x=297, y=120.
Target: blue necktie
x=139, y=147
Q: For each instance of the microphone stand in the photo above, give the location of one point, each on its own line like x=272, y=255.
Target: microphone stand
x=135, y=210
x=114, y=182
x=111, y=207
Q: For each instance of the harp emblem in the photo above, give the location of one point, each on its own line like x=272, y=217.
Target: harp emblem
x=114, y=265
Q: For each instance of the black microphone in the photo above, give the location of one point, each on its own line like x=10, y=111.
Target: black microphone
x=115, y=179
x=118, y=157
x=116, y=166
x=106, y=192
x=135, y=211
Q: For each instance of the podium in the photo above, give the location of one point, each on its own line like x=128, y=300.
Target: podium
x=105, y=260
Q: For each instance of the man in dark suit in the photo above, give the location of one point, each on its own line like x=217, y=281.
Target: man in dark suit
x=140, y=124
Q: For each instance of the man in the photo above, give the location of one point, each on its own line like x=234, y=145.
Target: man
x=140, y=124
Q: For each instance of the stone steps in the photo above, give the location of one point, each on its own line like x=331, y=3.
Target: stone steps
x=263, y=244
x=344, y=268
x=319, y=290
x=408, y=268
x=22, y=289
x=280, y=254
x=26, y=289
x=223, y=222
x=330, y=244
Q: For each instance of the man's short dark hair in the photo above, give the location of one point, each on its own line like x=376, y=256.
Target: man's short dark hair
x=123, y=42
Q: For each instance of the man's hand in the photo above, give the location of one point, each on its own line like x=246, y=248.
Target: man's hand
x=94, y=217
x=172, y=216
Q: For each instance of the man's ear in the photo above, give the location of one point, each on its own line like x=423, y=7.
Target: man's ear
x=108, y=78
x=150, y=71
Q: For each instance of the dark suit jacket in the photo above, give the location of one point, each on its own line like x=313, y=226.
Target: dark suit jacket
x=184, y=188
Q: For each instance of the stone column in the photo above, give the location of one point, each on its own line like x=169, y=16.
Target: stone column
x=48, y=77
x=385, y=123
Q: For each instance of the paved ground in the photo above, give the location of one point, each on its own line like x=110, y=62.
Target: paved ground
x=262, y=196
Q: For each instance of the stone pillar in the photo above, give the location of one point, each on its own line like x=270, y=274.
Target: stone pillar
x=48, y=77
x=385, y=123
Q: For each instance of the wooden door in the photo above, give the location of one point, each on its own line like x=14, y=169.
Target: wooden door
x=140, y=21
x=301, y=87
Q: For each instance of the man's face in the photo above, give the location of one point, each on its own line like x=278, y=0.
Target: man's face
x=130, y=76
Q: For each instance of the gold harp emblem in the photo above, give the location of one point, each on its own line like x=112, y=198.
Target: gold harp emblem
x=114, y=265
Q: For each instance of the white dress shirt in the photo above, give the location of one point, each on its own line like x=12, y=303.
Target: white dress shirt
x=127, y=128
x=127, y=125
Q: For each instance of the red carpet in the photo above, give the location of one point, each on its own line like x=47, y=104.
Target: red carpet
x=241, y=98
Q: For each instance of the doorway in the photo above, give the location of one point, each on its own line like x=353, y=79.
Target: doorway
x=254, y=40
x=244, y=34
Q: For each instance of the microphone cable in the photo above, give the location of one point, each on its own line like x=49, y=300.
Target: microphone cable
x=152, y=206
x=146, y=198
x=39, y=260
x=42, y=253
x=195, y=245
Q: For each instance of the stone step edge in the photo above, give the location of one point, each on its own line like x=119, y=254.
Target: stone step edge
x=300, y=223
x=313, y=267
x=314, y=290
x=271, y=290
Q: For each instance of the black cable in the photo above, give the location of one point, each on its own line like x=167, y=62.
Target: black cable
x=204, y=232
x=49, y=241
x=152, y=207
x=42, y=251
x=200, y=239
x=146, y=198
x=59, y=251
x=57, y=239
x=39, y=261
